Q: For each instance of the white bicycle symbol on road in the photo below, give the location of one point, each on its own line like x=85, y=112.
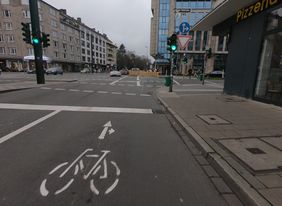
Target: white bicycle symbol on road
x=72, y=169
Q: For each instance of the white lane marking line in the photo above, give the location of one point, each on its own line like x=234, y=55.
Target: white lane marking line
x=45, y=88
x=198, y=90
x=130, y=94
x=74, y=90
x=138, y=81
x=75, y=108
x=114, y=82
x=88, y=91
x=145, y=95
x=176, y=82
x=32, y=124
x=116, y=93
x=102, y=92
x=60, y=89
x=44, y=192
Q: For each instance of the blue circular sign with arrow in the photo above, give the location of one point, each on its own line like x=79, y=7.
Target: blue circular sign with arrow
x=184, y=28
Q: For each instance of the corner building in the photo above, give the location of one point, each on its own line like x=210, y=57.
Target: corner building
x=167, y=17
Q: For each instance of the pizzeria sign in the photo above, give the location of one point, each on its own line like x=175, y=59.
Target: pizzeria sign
x=255, y=8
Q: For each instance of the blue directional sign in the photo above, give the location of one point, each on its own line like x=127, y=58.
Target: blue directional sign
x=184, y=28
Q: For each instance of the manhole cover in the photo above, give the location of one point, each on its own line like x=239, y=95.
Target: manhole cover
x=255, y=151
x=212, y=119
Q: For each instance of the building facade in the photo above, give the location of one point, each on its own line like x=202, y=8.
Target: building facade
x=254, y=63
x=73, y=45
x=168, y=15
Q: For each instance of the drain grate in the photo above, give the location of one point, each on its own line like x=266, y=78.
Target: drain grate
x=255, y=151
x=212, y=119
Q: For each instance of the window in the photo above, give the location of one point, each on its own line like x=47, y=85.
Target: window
x=5, y=1
x=8, y=26
x=30, y=51
x=88, y=45
x=7, y=13
x=26, y=14
x=65, y=55
x=83, y=51
x=25, y=2
x=54, y=34
x=64, y=46
x=55, y=43
x=220, y=43
x=82, y=43
x=87, y=37
x=2, y=38
x=63, y=27
x=2, y=50
x=13, y=51
x=54, y=23
x=57, y=54
x=83, y=58
x=82, y=35
x=269, y=83
x=88, y=52
x=10, y=38
x=70, y=38
x=52, y=12
x=198, y=40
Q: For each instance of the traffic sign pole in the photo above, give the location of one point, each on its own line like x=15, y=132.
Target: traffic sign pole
x=35, y=23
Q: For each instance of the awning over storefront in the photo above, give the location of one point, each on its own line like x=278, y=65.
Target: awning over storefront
x=222, y=12
x=28, y=58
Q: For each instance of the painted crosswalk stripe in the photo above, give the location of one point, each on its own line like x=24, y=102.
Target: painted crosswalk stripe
x=74, y=90
x=116, y=93
x=88, y=91
x=102, y=92
x=145, y=95
x=130, y=94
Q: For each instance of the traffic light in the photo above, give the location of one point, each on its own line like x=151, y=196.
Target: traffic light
x=172, y=43
x=45, y=40
x=209, y=53
x=26, y=33
x=185, y=59
x=168, y=44
x=173, y=40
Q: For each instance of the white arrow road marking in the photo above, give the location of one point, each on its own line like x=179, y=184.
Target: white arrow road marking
x=111, y=131
x=105, y=130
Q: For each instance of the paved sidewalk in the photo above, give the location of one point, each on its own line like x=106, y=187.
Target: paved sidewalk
x=241, y=138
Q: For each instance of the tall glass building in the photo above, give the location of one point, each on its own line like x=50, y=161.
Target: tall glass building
x=167, y=17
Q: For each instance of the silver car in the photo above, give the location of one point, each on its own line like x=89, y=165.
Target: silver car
x=54, y=70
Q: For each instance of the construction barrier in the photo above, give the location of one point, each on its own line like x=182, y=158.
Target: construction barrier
x=144, y=73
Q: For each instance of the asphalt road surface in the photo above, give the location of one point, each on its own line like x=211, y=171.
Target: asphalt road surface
x=96, y=141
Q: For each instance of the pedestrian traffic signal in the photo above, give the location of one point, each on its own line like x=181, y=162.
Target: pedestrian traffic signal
x=45, y=40
x=26, y=33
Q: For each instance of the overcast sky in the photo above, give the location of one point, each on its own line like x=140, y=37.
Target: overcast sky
x=124, y=21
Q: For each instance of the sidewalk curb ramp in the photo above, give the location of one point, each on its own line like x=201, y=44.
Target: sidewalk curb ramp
x=247, y=194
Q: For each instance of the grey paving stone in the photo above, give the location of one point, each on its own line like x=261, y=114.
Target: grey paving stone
x=271, y=181
x=201, y=160
x=232, y=200
x=221, y=185
x=273, y=195
x=210, y=171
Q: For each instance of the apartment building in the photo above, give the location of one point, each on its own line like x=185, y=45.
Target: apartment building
x=168, y=15
x=73, y=45
x=111, y=54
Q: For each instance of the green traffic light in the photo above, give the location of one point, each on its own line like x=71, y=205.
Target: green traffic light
x=35, y=41
x=173, y=47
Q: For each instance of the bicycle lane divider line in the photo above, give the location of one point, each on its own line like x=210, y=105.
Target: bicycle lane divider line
x=24, y=128
x=75, y=108
x=114, y=82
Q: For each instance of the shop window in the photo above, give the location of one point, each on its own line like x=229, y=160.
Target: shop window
x=269, y=83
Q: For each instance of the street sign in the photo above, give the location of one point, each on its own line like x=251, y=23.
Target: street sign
x=184, y=28
x=183, y=40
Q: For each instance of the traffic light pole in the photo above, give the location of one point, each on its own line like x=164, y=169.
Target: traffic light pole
x=35, y=23
x=171, y=68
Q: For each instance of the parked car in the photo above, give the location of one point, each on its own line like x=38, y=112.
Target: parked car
x=115, y=73
x=85, y=70
x=30, y=71
x=124, y=72
x=216, y=74
x=54, y=70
